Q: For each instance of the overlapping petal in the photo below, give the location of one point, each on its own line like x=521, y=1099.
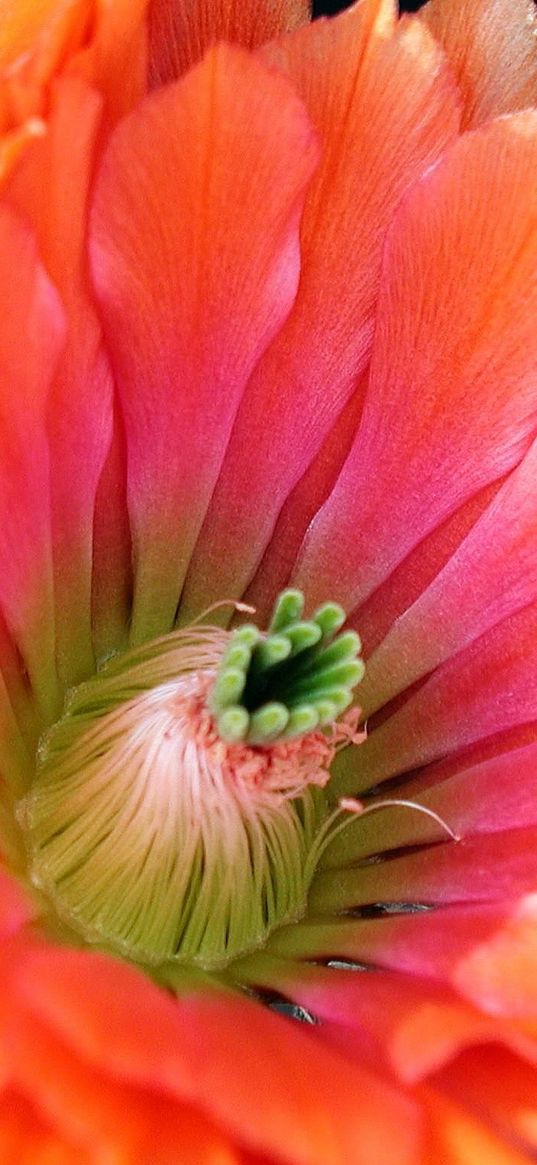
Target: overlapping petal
x=475, y=795
x=51, y=188
x=483, y=690
x=213, y=284
x=180, y=31
x=451, y=404
x=413, y=1026
x=492, y=49
x=379, y=130
x=215, y=1068
x=491, y=574
x=104, y=43
x=200, y=398
x=79, y=67
x=26, y=585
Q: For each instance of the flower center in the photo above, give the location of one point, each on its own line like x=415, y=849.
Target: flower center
x=177, y=809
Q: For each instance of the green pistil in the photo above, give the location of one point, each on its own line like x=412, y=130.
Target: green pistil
x=296, y=677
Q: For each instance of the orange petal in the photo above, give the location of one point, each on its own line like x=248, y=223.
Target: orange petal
x=35, y=41
x=232, y=1059
x=100, y=1115
x=114, y=57
x=218, y=162
x=101, y=41
x=45, y=30
x=498, y=1085
x=28, y=1139
x=182, y=30
x=14, y=144
x=499, y=971
x=379, y=95
x=492, y=47
x=461, y=1137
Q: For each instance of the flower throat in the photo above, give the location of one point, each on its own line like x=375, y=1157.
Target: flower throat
x=177, y=811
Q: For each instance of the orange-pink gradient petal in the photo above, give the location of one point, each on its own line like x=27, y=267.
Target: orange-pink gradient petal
x=486, y=951
x=51, y=187
x=27, y=369
x=384, y=107
x=452, y=400
x=196, y=261
x=412, y=1024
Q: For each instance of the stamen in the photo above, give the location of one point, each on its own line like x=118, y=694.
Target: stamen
x=244, y=609
x=351, y=805
x=177, y=812
x=334, y=825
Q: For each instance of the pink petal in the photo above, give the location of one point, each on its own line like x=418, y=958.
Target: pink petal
x=488, y=687
x=486, y=951
x=379, y=95
x=427, y=943
x=451, y=405
x=112, y=566
x=480, y=869
x=26, y=589
x=51, y=187
x=488, y=796
x=414, y=574
x=20, y=725
x=202, y=295
x=16, y=908
x=300, y=507
x=492, y=574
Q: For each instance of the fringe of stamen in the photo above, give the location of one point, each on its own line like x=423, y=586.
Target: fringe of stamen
x=151, y=835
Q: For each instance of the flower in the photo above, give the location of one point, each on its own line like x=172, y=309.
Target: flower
x=268, y=330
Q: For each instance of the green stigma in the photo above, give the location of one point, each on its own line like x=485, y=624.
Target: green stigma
x=297, y=677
